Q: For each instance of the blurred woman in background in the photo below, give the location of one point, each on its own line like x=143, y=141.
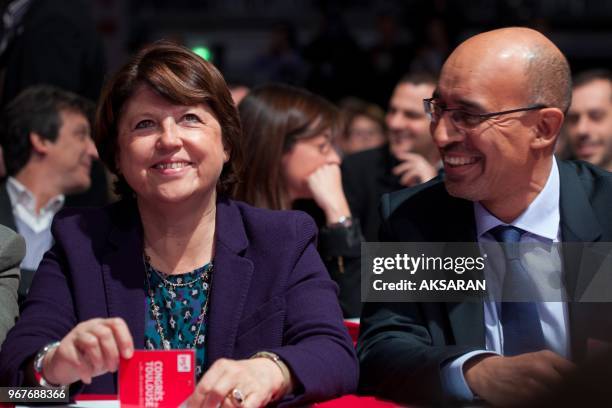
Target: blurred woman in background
x=365, y=126
x=290, y=156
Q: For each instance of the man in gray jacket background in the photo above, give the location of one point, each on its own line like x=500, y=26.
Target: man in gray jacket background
x=12, y=251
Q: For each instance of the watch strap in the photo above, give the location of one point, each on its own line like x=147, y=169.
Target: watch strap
x=280, y=364
x=38, y=365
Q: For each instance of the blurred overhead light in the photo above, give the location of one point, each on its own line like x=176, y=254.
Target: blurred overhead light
x=203, y=52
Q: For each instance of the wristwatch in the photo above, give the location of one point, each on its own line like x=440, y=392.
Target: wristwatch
x=38, y=369
x=343, y=222
x=280, y=363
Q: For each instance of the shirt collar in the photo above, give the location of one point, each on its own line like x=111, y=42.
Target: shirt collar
x=541, y=217
x=20, y=195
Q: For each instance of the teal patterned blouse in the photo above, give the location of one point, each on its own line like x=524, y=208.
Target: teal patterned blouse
x=179, y=300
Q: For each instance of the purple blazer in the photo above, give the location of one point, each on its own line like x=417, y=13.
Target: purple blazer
x=270, y=292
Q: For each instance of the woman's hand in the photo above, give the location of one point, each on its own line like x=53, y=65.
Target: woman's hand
x=325, y=184
x=258, y=380
x=92, y=348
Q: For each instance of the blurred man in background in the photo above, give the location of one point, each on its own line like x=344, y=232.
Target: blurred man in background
x=46, y=137
x=589, y=120
x=46, y=42
x=409, y=159
x=409, y=137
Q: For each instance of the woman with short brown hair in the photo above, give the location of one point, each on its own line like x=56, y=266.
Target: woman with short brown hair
x=177, y=265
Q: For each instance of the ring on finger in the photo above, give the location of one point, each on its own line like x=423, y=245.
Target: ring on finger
x=237, y=396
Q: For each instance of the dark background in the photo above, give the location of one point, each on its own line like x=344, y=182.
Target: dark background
x=337, y=48
x=341, y=48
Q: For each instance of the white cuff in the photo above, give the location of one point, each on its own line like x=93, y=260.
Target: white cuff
x=453, y=381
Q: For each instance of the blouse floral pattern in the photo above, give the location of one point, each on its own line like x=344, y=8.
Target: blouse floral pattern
x=179, y=302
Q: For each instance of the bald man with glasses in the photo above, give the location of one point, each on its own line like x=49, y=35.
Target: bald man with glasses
x=495, y=117
x=463, y=119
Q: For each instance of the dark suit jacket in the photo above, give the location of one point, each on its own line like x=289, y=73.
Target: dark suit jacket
x=340, y=249
x=8, y=220
x=90, y=198
x=270, y=291
x=366, y=176
x=403, y=345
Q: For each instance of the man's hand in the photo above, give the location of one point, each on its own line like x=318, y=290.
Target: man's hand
x=414, y=169
x=511, y=381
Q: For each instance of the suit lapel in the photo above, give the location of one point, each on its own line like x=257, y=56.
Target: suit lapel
x=231, y=280
x=578, y=220
x=123, y=271
x=578, y=225
x=466, y=318
x=6, y=209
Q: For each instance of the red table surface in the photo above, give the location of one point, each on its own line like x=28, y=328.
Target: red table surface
x=342, y=402
x=345, y=401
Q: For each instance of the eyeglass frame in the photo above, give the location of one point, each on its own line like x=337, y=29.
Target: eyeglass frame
x=427, y=102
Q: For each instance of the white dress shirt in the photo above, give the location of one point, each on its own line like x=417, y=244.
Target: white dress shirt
x=34, y=226
x=541, y=223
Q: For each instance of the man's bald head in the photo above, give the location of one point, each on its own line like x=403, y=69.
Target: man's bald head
x=505, y=92
x=547, y=76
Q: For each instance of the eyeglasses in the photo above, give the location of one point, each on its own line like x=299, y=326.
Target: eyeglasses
x=463, y=119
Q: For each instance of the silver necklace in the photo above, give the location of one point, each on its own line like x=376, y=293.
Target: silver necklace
x=164, y=278
x=156, y=310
